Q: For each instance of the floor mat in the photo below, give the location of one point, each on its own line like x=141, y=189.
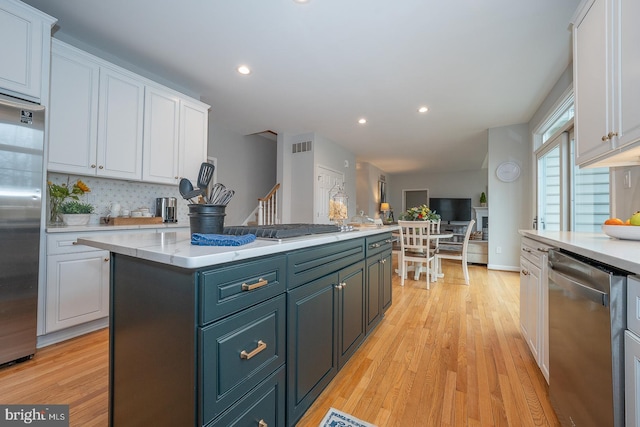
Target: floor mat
x=335, y=418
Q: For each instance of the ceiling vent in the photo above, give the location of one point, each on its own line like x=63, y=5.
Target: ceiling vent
x=301, y=147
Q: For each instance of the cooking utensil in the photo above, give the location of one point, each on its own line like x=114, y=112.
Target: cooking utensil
x=223, y=197
x=205, y=175
x=215, y=192
x=187, y=191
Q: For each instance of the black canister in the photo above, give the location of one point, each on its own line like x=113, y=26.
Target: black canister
x=206, y=219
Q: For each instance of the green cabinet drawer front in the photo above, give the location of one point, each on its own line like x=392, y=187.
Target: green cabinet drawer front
x=373, y=297
x=232, y=288
x=386, y=274
x=239, y=352
x=378, y=243
x=266, y=403
x=307, y=265
x=351, y=307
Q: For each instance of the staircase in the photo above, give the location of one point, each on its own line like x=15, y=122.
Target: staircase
x=266, y=213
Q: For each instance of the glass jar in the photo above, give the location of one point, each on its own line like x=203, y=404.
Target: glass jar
x=338, y=205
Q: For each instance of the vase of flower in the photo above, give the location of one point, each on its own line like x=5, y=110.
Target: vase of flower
x=59, y=193
x=420, y=213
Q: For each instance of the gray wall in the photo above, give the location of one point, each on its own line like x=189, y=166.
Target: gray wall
x=508, y=201
x=246, y=164
x=367, y=195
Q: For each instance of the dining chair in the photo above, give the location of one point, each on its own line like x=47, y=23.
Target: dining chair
x=414, y=247
x=459, y=253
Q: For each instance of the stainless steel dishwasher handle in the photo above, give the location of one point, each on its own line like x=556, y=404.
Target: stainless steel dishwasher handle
x=567, y=283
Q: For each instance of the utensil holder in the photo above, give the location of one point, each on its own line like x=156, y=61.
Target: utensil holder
x=206, y=219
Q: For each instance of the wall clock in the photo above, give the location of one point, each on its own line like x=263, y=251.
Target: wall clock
x=508, y=171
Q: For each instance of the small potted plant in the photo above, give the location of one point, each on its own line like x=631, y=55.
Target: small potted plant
x=483, y=200
x=76, y=213
x=59, y=193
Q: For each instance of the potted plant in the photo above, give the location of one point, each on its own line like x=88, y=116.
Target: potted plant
x=483, y=200
x=76, y=213
x=58, y=193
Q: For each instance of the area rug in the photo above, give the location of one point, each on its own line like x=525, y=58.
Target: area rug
x=335, y=418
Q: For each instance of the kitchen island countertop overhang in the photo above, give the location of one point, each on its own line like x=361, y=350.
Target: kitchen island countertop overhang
x=175, y=248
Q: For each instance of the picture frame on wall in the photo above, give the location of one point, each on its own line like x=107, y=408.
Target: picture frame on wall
x=382, y=191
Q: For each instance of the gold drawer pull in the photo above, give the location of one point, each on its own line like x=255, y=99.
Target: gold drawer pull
x=261, y=423
x=261, y=346
x=260, y=283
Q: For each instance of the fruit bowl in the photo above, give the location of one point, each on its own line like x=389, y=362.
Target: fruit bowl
x=623, y=232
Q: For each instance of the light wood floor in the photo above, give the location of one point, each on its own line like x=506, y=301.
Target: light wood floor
x=450, y=356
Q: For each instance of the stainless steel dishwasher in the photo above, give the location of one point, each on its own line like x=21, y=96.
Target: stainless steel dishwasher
x=587, y=319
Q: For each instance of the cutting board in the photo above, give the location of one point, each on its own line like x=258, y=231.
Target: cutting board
x=135, y=221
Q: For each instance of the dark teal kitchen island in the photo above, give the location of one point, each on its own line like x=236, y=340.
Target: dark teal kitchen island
x=250, y=335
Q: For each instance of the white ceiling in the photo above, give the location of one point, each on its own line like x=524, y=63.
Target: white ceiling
x=319, y=67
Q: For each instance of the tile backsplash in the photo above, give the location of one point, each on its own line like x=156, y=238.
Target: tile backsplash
x=130, y=194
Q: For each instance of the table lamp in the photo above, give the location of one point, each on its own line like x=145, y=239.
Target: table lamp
x=384, y=207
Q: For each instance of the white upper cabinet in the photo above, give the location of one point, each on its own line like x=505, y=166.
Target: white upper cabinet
x=607, y=96
x=108, y=122
x=25, y=35
x=193, y=139
x=161, y=136
x=120, y=125
x=73, y=111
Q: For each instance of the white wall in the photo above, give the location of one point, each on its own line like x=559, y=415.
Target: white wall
x=246, y=164
x=508, y=201
x=296, y=174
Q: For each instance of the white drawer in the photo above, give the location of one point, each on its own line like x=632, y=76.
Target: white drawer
x=633, y=304
x=534, y=251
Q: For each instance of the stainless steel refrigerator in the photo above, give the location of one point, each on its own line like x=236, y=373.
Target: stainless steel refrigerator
x=21, y=181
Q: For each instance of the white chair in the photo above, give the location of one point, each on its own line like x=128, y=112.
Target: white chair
x=414, y=247
x=457, y=254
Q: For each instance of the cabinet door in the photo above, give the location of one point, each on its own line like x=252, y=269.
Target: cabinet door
x=312, y=359
x=23, y=30
x=593, y=82
x=194, y=127
x=120, y=127
x=73, y=111
x=529, y=304
x=160, y=149
x=351, y=319
x=373, y=291
x=629, y=90
x=386, y=274
x=77, y=289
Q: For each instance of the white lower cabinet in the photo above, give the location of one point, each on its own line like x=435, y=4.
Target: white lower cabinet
x=534, y=303
x=77, y=288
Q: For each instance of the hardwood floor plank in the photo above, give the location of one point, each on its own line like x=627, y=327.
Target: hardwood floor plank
x=449, y=356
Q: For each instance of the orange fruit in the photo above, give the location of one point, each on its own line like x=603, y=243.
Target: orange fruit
x=614, y=221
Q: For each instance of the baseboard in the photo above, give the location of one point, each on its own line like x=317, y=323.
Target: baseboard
x=72, y=332
x=503, y=267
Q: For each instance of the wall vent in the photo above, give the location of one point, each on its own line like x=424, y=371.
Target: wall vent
x=301, y=147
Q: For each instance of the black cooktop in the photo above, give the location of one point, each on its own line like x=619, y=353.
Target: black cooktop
x=281, y=231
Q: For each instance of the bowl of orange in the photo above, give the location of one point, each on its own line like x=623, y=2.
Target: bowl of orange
x=619, y=229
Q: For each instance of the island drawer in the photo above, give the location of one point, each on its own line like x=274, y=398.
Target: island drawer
x=239, y=352
x=232, y=288
x=307, y=265
x=379, y=243
x=263, y=406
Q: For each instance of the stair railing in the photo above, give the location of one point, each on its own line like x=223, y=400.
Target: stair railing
x=268, y=207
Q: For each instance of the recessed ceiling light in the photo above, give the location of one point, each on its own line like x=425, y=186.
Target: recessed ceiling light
x=243, y=69
x=301, y=1
x=423, y=109
x=362, y=121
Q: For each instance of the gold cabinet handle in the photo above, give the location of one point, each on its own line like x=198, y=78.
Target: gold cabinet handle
x=605, y=138
x=106, y=259
x=525, y=272
x=93, y=166
x=260, y=283
x=543, y=250
x=612, y=134
x=262, y=423
x=100, y=167
x=261, y=346
x=343, y=285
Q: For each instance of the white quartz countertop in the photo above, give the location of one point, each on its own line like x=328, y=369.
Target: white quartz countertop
x=175, y=248
x=623, y=254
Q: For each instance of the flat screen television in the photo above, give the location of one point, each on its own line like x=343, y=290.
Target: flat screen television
x=451, y=209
